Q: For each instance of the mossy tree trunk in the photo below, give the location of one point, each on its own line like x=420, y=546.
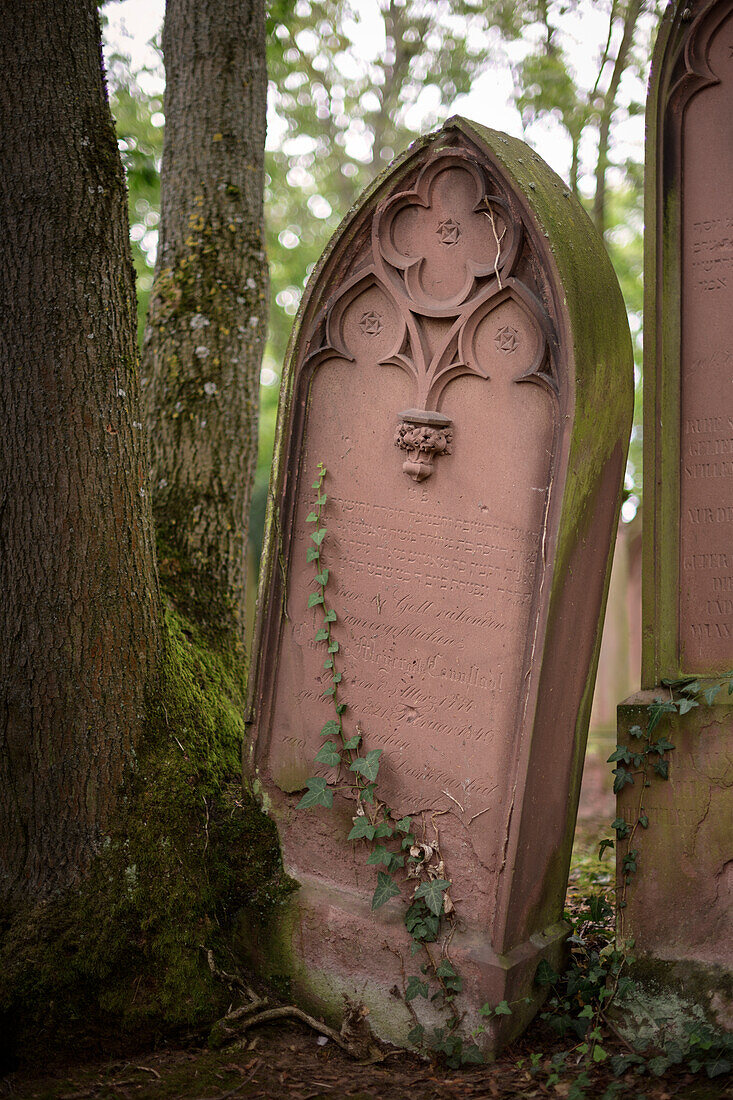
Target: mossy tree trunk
x=207, y=322
x=79, y=606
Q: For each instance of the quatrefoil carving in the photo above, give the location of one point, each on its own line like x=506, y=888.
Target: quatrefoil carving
x=444, y=249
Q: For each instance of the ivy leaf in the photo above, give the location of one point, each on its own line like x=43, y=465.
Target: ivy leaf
x=353, y=742
x=315, y=598
x=546, y=975
x=471, y=1055
x=322, y=635
x=662, y=768
x=710, y=693
x=368, y=765
x=340, y=708
x=322, y=499
x=621, y=753
x=330, y=616
x=329, y=755
x=318, y=794
x=687, y=704
x=433, y=892
x=328, y=663
x=403, y=824
x=312, y=554
x=644, y=821
x=336, y=675
x=622, y=778
x=621, y=827
x=319, y=536
x=379, y=855
x=311, y=518
x=331, y=728
x=389, y=859
x=383, y=829
x=322, y=577
x=362, y=829
x=503, y=1009
x=385, y=890
x=367, y=794
x=656, y=710
x=331, y=690
x=333, y=646
x=416, y=1035
x=601, y=847
x=415, y=988
x=636, y=731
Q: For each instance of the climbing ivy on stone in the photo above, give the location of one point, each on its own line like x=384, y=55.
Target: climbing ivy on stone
x=404, y=862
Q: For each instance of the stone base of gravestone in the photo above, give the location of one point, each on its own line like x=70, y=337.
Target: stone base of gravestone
x=328, y=948
x=678, y=908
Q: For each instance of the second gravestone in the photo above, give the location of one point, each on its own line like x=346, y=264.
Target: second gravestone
x=462, y=369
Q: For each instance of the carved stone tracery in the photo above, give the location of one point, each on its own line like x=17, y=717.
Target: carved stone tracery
x=445, y=249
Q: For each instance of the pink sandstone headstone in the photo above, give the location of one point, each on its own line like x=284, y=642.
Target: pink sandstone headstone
x=462, y=368
x=680, y=904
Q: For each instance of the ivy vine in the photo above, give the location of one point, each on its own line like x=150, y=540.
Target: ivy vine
x=404, y=859
x=408, y=862
x=643, y=759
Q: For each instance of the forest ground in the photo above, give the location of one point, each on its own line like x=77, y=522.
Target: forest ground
x=287, y=1060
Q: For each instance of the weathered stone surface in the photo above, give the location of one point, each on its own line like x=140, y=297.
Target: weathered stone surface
x=679, y=903
x=688, y=361
x=462, y=367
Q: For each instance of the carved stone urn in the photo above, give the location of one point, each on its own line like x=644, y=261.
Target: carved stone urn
x=422, y=436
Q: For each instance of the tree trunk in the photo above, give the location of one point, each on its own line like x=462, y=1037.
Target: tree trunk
x=79, y=618
x=207, y=323
x=631, y=18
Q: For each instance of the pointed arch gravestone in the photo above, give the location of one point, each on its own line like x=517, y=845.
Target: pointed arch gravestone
x=679, y=907
x=461, y=366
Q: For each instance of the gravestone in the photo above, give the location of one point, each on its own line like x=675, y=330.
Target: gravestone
x=678, y=907
x=462, y=368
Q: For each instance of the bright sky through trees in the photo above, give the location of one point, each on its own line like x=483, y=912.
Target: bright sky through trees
x=132, y=23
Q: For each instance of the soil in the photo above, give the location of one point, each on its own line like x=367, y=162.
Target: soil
x=288, y=1060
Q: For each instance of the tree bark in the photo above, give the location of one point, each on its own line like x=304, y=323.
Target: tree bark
x=208, y=309
x=79, y=611
x=631, y=18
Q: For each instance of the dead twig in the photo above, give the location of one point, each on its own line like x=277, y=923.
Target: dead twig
x=490, y=215
x=229, y=979
x=291, y=1012
x=408, y=1004
x=149, y=1069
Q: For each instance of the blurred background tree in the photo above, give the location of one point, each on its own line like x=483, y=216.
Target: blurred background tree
x=353, y=82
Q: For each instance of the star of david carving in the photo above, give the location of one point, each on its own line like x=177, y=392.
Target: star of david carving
x=370, y=323
x=507, y=339
x=449, y=231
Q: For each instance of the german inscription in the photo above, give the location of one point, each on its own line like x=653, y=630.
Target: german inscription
x=706, y=443
x=440, y=371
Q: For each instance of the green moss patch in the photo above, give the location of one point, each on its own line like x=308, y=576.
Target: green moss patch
x=123, y=956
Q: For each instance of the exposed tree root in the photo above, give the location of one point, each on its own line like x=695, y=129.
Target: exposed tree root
x=355, y=1037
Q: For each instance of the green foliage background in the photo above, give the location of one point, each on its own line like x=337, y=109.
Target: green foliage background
x=337, y=118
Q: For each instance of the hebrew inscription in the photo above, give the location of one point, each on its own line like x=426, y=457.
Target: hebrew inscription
x=706, y=443
x=444, y=373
